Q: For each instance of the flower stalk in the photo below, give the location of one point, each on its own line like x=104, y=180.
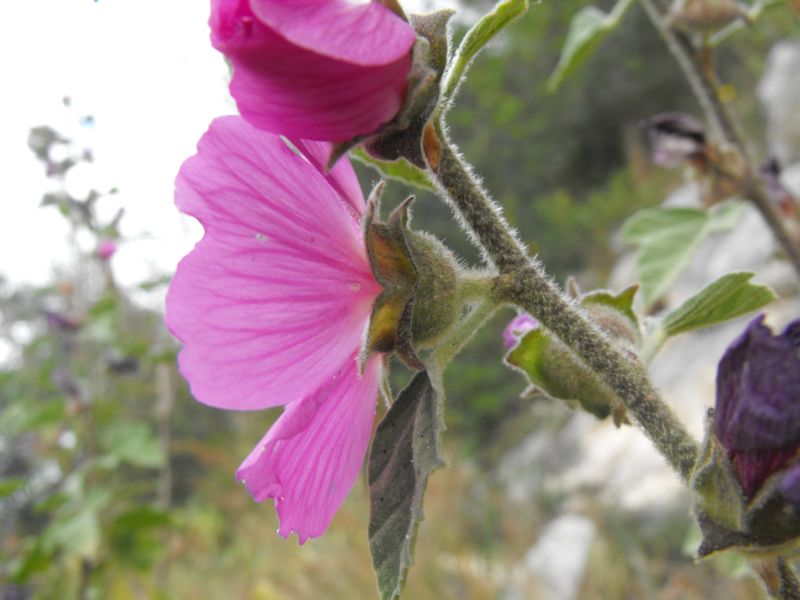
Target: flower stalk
x=722, y=123
x=523, y=283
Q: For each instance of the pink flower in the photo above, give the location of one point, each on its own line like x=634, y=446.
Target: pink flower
x=315, y=69
x=518, y=327
x=106, y=249
x=271, y=306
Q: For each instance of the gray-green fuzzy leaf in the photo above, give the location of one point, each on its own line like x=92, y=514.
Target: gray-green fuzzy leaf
x=728, y=297
x=667, y=239
x=404, y=453
x=399, y=170
x=478, y=36
x=587, y=29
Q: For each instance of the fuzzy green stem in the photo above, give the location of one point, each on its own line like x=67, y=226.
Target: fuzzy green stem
x=653, y=343
x=523, y=283
x=778, y=577
x=790, y=585
x=721, y=122
x=461, y=333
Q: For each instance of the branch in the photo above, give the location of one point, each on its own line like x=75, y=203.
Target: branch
x=722, y=123
x=522, y=282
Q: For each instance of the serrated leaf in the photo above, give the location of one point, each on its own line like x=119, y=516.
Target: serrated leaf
x=399, y=170
x=667, y=238
x=587, y=29
x=478, y=36
x=728, y=297
x=551, y=367
x=404, y=453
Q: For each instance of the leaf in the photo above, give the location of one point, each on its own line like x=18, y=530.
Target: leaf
x=667, y=238
x=10, y=485
x=399, y=170
x=728, y=297
x=478, y=36
x=134, y=443
x=404, y=453
x=78, y=533
x=587, y=29
x=135, y=536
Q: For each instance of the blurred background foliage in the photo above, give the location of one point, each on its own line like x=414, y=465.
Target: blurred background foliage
x=114, y=483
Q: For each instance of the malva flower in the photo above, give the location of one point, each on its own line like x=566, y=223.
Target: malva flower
x=315, y=69
x=271, y=307
x=757, y=415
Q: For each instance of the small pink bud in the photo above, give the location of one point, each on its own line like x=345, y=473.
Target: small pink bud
x=106, y=249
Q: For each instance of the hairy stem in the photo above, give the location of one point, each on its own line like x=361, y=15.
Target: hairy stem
x=523, y=283
x=778, y=577
x=722, y=123
x=462, y=333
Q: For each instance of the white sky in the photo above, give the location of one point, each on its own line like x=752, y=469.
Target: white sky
x=147, y=72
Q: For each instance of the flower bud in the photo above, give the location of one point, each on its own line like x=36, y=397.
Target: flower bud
x=705, y=15
x=327, y=70
x=747, y=477
x=553, y=369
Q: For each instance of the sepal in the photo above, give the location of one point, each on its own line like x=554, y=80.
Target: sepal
x=765, y=524
x=418, y=275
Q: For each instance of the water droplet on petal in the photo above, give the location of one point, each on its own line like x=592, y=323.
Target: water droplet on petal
x=355, y=286
x=261, y=236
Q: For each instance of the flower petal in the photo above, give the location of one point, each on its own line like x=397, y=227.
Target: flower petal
x=311, y=456
x=277, y=294
x=758, y=384
x=366, y=34
x=301, y=94
x=342, y=176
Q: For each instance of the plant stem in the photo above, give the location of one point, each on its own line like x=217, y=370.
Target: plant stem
x=722, y=124
x=523, y=283
x=778, y=577
x=462, y=333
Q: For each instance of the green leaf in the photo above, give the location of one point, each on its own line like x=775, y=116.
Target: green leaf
x=587, y=29
x=399, y=170
x=78, y=533
x=667, y=239
x=478, y=36
x=728, y=297
x=32, y=415
x=9, y=485
x=134, y=443
x=404, y=453
x=135, y=536
x=551, y=367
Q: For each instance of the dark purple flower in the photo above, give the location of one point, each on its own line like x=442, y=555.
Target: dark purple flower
x=757, y=416
x=60, y=322
x=675, y=138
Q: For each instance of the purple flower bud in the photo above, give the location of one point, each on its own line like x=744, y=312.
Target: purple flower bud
x=757, y=416
x=519, y=326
